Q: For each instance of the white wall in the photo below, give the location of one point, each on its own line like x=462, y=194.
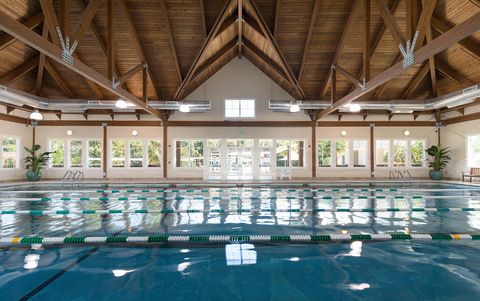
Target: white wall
x=25, y=135
x=455, y=137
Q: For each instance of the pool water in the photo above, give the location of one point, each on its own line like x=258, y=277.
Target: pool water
x=354, y=270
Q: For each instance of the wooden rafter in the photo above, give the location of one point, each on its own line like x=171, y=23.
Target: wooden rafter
x=411, y=18
x=266, y=59
x=41, y=65
x=18, y=72
x=277, y=17
x=341, y=42
x=424, y=21
x=308, y=41
x=347, y=74
x=416, y=81
x=215, y=57
x=468, y=44
x=202, y=16
x=64, y=17
x=431, y=63
x=446, y=40
x=86, y=19
x=6, y=40
x=390, y=22
x=22, y=33
x=58, y=79
x=50, y=20
x=240, y=27
x=366, y=39
x=171, y=42
x=111, y=39
x=130, y=73
x=453, y=74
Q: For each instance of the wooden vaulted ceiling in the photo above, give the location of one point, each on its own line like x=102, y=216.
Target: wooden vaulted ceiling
x=294, y=42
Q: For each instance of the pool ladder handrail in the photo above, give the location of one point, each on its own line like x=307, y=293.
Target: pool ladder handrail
x=406, y=177
x=73, y=178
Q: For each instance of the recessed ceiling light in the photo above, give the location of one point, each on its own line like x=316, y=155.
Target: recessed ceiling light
x=343, y=133
x=406, y=132
x=134, y=133
x=69, y=132
x=294, y=108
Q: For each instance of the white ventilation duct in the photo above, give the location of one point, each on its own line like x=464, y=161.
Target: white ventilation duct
x=19, y=98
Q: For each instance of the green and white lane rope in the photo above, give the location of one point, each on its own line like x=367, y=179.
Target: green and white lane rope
x=240, y=198
x=216, y=239
x=232, y=211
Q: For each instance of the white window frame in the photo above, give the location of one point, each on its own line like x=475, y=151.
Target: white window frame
x=174, y=149
x=69, y=153
x=390, y=156
x=239, y=108
x=467, y=154
x=17, y=153
x=145, y=152
x=127, y=158
x=65, y=153
x=87, y=157
x=407, y=153
x=408, y=159
x=305, y=147
x=424, y=165
x=125, y=151
x=333, y=149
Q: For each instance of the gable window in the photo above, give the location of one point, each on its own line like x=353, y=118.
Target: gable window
x=239, y=108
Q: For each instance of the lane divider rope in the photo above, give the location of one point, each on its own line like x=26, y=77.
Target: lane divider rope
x=206, y=239
x=230, y=211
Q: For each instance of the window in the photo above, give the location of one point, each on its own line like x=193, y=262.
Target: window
x=189, y=153
x=265, y=143
x=324, y=151
x=118, y=153
x=214, y=143
x=399, y=153
x=341, y=148
x=75, y=154
x=240, y=143
x=9, y=152
x=58, y=156
x=359, y=153
x=382, y=153
x=154, y=153
x=239, y=108
x=94, y=154
x=473, y=151
x=289, y=153
x=136, y=153
x=417, y=153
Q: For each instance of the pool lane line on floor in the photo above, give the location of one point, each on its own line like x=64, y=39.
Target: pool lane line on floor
x=206, y=239
x=239, y=198
x=233, y=211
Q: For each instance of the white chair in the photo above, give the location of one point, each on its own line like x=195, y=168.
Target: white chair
x=285, y=173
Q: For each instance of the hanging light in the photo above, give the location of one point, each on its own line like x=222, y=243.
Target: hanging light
x=354, y=107
x=184, y=108
x=294, y=107
x=36, y=115
x=121, y=104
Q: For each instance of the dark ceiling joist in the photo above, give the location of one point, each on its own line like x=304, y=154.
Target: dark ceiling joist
x=18, y=72
x=468, y=44
x=22, y=33
x=453, y=74
x=308, y=41
x=6, y=40
x=445, y=41
x=341, y=42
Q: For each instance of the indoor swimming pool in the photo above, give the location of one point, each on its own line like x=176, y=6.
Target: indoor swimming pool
x=297, y=241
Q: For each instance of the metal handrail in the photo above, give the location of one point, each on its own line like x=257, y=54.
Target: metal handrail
x=73, y=177
x=407, y=173
x=391, y=175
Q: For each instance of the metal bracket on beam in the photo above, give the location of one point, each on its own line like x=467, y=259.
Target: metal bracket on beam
x=67, y=51
x=363, y=85
x=408, y=52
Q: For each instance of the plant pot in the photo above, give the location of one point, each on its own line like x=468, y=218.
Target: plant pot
x=436, y=175
x=33, y=176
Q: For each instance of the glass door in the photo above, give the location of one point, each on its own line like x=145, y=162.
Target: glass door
x=239, y=159
x=266, y=171
x=214, y=156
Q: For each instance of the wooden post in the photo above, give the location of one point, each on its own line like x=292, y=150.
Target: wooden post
x=165, y=148
x=372, y=150
x=33, y=136
x=438, y=136
x=105, y=149
x=314, y=149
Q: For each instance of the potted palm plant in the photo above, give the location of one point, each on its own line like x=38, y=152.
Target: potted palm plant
x=34, y=163
x=438, y=161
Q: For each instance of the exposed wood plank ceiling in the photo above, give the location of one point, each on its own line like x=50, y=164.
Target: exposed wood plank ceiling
x=295, y=43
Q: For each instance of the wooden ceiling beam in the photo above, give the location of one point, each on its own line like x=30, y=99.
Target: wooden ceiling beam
x=41, y=64
x=111, y=39
x=308, y=41
x=6, y=39
x=18, y=72
x=411, y=18
x=211, y=60
x=22, y=33
x=122, y=79
x=171, y=42
x=416, y=81
x=58, y=79
x=453, y=74
x=366, y=39
x=202, y=16
x=390, y=22
x=382, y=87
x=424, y=21
x=446, y=40
x=50, y=20
x=240, y=27
x=283, y=62
x=277, y=17
x=86, y=19
x=431, y=62
x=195, y=64
x=347, y=74
x=341, y=42
x=468, y=44
x=262, y=56
x=64, y=17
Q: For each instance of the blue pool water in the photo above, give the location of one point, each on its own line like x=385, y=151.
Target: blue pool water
x=393, y=270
